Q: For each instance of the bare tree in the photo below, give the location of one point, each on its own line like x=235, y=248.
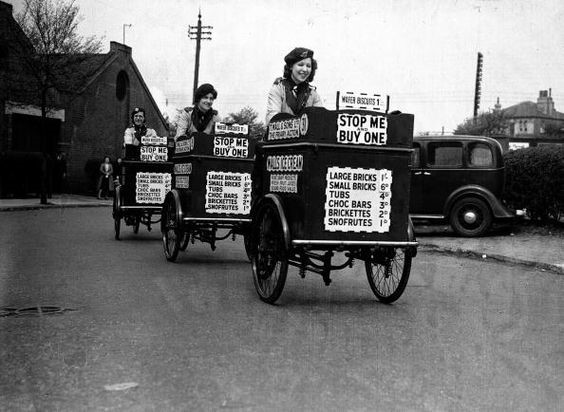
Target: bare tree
x=52, y=29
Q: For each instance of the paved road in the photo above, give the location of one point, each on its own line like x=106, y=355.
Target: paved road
x=145, y=334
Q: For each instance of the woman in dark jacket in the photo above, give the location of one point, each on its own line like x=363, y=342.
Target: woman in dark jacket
x=201, y=117
x=134, y=133
x=293, y=92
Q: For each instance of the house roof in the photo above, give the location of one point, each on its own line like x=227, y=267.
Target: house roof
x=10, y=31
x=529, y=109
x=78, y=69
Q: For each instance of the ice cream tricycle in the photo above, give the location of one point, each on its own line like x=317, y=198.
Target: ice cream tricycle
x=211, y=195
x=328, y=182
x=146, y=175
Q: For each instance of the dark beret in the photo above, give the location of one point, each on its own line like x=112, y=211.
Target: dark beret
x=203, y=90
x=299, y=53
x=137, y=110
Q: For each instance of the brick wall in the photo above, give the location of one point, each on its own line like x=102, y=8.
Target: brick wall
x=96, y=120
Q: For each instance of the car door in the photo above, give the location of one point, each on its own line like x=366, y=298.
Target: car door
x=417, y=180
x=441, y=172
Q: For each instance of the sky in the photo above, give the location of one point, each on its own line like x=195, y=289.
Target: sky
x=420, y=52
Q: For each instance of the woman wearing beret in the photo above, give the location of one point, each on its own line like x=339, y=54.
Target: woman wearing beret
x=133, y=134
x=292, y=92
x=201, y=117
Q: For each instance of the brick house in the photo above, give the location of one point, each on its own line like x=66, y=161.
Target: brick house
x=88, y=112
x=532, y=124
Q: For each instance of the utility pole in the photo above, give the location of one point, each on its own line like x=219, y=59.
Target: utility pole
x=124, y=26
x=196, y=33
x=477, y=91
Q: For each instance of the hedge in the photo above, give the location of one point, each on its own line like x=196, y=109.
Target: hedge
x=534, y=181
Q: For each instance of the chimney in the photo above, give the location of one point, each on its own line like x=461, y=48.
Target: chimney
x=545, y=104
x=118, y=47
x=497, y=106
x=6, y=8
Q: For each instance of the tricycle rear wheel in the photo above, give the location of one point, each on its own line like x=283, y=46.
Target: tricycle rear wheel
x=388, y=271
x=268, y=254
x=117, y=226
x=248, y=246
x=136, y=224
x=185, y=240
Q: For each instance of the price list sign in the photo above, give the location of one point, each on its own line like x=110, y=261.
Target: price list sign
x=152, y=187
x=228, y=193
x=358, y=200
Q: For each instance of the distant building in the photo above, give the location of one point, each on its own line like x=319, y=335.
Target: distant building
x=88, y=112
x=532, y=124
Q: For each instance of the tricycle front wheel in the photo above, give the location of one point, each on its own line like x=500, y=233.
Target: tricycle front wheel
x=269, y=257
x=170, y=228
x=388, y=272
x=116, y=212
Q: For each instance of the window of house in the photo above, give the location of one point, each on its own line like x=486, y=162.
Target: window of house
x=122, y=85
x=444, y=154
x=480, y=155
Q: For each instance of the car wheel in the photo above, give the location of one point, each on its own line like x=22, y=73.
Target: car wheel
x=470, y=216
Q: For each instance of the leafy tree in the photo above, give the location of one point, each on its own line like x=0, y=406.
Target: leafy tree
x=485, y=124
x=248, y=115
x=52, y=29
x=554, y=129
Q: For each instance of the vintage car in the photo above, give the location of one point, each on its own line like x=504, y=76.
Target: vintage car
x=458, y=179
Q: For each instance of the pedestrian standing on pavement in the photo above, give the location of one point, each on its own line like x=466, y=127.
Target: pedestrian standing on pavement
x=201, y=117
x=293, y=92
x=134, y=133
x=105, y=181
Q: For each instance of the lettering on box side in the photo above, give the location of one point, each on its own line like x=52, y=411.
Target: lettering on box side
x=284, y=183
x=358, y=200
x=228, y=193
x=182, y=181
x=230, y=146
x=154, y=140
x=285, y=129
x=151, y=188
x=362, y=129
x=153, y=153
x=285, y=163
x=183, y=168
x=363, y=101
x=233, y=128
x=184, y=146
